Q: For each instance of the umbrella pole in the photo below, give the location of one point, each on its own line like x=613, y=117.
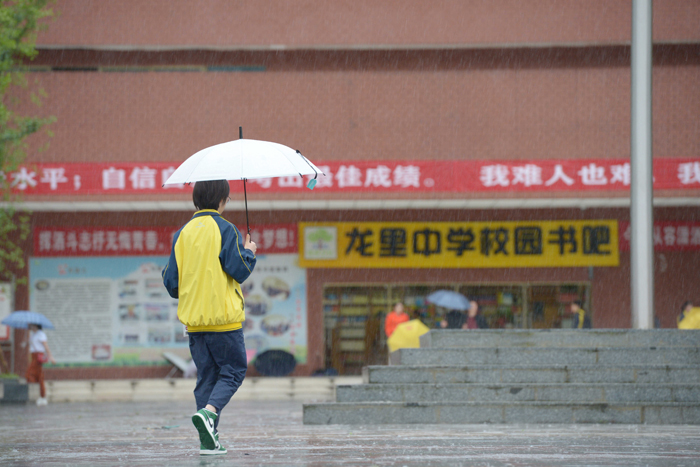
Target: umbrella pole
x=245, y=194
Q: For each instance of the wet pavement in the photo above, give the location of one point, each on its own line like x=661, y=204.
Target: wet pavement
x=272, y=433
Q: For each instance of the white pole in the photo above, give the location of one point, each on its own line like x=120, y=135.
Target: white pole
x=642, y=216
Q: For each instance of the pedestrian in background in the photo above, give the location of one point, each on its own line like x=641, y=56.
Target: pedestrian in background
x=208, y=262
x=685, y=308
x=394, y=318
x=40, y=354
x=580, y=319
x=475, y=320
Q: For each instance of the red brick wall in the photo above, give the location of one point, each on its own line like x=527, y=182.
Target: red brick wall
x=451, y=114
x=348, y=23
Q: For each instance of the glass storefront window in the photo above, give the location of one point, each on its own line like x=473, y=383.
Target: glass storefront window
x=354, y=313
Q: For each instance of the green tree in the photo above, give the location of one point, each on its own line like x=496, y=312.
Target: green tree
x=20, y=20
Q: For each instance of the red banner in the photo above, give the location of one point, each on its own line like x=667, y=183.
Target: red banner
x=668, y=236
x=144, y=241
x=571, y=175
x=370, y=176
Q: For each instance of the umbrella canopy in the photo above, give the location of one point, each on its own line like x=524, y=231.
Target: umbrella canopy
x=407, y=335
x=691, y=319
x=22, y=320
x=449, y=299
x=243, y=159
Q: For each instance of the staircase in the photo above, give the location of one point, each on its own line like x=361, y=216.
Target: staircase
x=528, y=376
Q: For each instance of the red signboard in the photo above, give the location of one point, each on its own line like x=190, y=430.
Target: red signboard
x=143, y=241
x=370, y=176
x=274, y=238
x=668, y=236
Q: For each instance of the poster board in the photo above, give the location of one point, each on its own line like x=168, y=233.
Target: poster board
x=116, y=311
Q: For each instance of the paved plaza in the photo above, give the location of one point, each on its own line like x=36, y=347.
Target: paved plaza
x=272, y=433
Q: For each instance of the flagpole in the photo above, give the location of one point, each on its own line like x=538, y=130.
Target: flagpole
x=641, y=186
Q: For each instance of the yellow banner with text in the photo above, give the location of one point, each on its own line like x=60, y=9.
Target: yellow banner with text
x=492, y=244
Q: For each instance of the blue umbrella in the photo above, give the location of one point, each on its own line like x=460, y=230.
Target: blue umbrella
x=22, y=320
x=449, y=299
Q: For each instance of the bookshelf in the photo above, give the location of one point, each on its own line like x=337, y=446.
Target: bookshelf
x=353, y=323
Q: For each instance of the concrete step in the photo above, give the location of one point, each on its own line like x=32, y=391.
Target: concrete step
x=448, y=338
x=498, y=374
x=374, y=413
x=261, y=388
x=548, y=356
x=563, y=392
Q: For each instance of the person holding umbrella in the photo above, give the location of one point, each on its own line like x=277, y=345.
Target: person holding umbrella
x=38, y=345
x=41, y=353
x=208, y=262
x=455, y=302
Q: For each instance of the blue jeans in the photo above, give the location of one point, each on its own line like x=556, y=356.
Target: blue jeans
x=221, y=366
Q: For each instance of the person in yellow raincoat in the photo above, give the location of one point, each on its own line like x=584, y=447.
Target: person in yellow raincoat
x=689, y=317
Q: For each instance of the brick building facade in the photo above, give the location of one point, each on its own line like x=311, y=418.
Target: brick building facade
x=403, y=83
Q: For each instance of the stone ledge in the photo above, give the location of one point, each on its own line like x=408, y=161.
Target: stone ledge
x=297, y=389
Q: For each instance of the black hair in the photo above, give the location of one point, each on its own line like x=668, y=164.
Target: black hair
x=685, y=304
x=209, y=194
x=579, y=303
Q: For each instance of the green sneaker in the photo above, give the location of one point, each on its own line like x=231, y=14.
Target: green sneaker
x=212, y=452
x=204, y=420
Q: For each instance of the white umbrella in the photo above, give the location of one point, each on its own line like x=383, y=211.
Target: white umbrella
x=244, y=159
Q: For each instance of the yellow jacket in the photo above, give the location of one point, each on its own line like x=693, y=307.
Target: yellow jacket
x=207, y=265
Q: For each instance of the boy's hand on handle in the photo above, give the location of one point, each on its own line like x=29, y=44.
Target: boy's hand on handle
x=249, y=245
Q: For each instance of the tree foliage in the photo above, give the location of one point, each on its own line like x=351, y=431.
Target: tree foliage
x=20, y=20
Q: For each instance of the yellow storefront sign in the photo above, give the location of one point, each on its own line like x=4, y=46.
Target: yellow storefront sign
x=458, y=244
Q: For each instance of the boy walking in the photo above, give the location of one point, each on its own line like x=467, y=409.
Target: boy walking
x=208, y=262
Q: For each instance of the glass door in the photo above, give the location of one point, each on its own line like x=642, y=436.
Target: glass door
x=353, y=318
x=550, y=305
